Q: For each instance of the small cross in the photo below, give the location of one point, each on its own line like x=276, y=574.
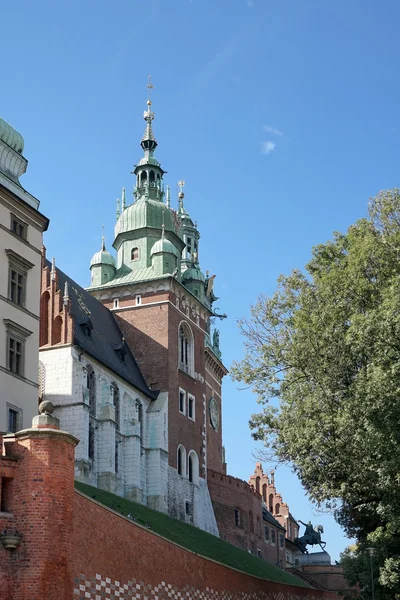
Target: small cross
x=181, y=184
x=150, y=86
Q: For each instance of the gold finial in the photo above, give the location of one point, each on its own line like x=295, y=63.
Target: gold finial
x=150, y=86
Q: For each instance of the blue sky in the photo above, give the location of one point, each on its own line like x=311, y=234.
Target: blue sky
x=282, y=116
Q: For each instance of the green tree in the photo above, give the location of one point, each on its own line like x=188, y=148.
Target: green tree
x=326, y=346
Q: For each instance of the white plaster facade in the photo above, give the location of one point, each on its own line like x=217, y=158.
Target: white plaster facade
x=18, y=319
x=123, y=434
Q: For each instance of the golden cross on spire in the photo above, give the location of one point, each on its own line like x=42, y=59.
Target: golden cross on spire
x=150, y=87
x=181, y=184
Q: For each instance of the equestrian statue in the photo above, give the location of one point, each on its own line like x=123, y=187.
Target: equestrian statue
x=311, y=537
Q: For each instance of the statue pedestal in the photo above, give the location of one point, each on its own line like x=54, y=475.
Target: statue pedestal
x=314, y=558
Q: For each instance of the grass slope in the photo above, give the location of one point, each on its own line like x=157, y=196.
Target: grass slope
x=190, y=537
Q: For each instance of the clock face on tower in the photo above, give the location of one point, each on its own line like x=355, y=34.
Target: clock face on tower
x=214, y=413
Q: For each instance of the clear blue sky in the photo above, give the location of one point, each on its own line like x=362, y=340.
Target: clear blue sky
x=282, y=116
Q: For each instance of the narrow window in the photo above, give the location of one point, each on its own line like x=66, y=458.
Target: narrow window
x=13, y=420
x=190, y=469
x=193, y=467
x=266, y=534
x=264, y=492
x=191, y=405
x=91, y=386
x=251, y=522
x=5, y=484
x=138, y=300
x=185, y=349
x=152, y=176
x=187, y=507
x=181, y=461
x=258, y=484
x=135, y=254
x=182, y=402
x=273, y=537
x=91, y=442
x=271, y=504
x=258, y=524
x=277, y=508
x=143, y=177
x=237, y=517
x=116, y=303
x=259, y=553
x=15, y=355
x=116, y=456
x=281, y=540
x=115, y=400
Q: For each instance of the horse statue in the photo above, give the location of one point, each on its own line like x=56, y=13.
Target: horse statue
x=311, y=537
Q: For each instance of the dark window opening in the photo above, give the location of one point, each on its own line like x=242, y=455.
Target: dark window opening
x=18, y=227
x=152, y=176
x=187, y=507
x=182, y=396
x=91, y=442
x=116, y=456
x=15, y=350
x=13, y=418
x=135, y=254
x=273, y=536
x=190, y=469
x=17, y=287
x=5, y=493
x=191, y=408
x=143, y=176
x=237, y=517
x=266, y=534
x=281, y=540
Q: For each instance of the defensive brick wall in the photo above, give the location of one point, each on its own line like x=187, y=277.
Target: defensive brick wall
x=116, y=559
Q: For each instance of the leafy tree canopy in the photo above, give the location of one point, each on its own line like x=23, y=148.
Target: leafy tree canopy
x=327, y=346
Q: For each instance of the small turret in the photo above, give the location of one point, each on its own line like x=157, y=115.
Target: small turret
x=102, y=266
x=164, y=256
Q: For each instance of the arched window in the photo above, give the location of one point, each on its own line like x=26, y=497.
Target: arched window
x=91, y=386
x=271, y=504
x=152, y=176
x=258, y=525
x=258, y=484
x=251, y=522
x=143, y=177
x=44, y=318
x=56, y=333
x=264, y=492
x=135, y=254
x=115, y=400
x=181, y=461
x=277, y=508
x=186, y=362
x=193, y=467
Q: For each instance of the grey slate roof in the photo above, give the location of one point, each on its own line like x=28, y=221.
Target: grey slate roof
x=270, y=519
x=105, y=342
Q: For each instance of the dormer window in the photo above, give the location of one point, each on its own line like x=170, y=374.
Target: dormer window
x=86, y=326
x=135, y=254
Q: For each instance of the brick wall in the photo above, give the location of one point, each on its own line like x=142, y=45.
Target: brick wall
x=117, y=559
x=229, y=494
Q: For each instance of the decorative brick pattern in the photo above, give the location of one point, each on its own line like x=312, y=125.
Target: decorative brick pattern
x=104, y=588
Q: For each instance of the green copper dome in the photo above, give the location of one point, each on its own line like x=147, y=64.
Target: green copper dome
x=164, y=245
x=145, y=213
x=193, y=274
x=102, y=258
x=11, y=137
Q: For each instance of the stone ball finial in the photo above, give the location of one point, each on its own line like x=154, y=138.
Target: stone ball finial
x=181, y=195
x=46, y=408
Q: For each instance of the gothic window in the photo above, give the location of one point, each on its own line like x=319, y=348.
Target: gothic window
x=115, y=400
x=281, y=540
x=181, y=461
x=116, y=456
x=273, y=536
x=91, y=386
x=193, y=467
x=135, y=254
x=143, y=177
x=152, y=176
x=91, y=441
x=264, y=492
x=185, y=348
x=277, y=508
x=258, y=484
x=44, y=318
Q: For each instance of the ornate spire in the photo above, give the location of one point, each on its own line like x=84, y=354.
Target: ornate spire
x=168, y=197
x=66, y=294
x=181, y=195
x=123, y=200
x=118, y=210
x=53, y=269
x=148, y=140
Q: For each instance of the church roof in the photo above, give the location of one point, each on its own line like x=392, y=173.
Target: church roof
x=106, y=341
x=145, y=213
x=11, y=137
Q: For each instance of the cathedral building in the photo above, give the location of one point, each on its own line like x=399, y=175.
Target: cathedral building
x=135, y=372
x=21, y=230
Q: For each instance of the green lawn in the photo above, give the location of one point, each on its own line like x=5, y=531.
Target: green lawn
x=189, y=537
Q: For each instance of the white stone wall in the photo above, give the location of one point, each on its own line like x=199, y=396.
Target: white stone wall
x=181, y=491
x=142, y=437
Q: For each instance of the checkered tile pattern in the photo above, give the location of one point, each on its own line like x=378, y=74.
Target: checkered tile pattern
x=104, y=588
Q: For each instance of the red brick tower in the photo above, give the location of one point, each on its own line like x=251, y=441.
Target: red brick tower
x=38, y=493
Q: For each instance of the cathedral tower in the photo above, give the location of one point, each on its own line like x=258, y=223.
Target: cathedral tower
x=163, y=304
